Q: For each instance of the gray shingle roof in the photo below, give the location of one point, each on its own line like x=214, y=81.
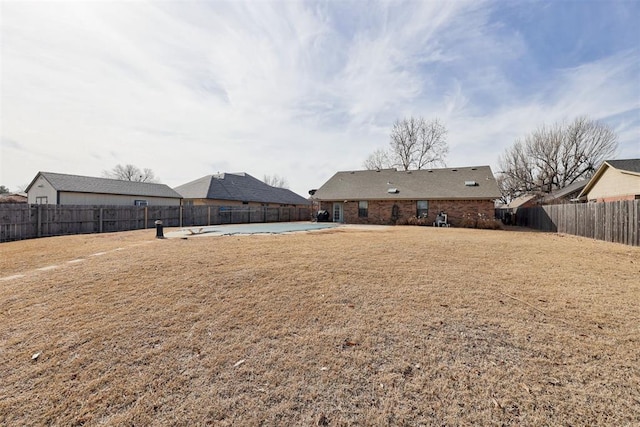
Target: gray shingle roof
x=87, y=184
x=575, y=187
x=629, y=165
x=426, y=184
x=238, y=187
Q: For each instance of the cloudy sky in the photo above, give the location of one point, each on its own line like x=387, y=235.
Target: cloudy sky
x=300, y=89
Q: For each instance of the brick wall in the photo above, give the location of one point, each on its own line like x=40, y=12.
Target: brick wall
x=380, y=211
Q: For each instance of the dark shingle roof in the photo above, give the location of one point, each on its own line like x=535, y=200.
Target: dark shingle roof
x=87, y=184
x=426, y=184
x=238, y=187
x=629, y=165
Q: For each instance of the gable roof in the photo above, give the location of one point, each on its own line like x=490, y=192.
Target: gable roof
x=521, y=200
x=13, y=198
x=88, y=184
x=238, y=187
x=630, y=166
x=574, y=187
x=425, y=184
x=626, y=165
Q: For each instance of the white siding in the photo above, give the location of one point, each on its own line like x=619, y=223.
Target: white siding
x=67, y=198
x=42, y=188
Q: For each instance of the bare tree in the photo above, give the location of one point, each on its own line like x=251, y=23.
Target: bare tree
x=379, y=159
x=414, y=144
x=4, y=190
x=276, y=181
x=130, y=173
x=552, y=157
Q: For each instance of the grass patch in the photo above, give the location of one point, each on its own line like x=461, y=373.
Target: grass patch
x=403, y=326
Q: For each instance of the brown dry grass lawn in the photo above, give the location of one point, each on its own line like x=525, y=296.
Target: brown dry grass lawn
x=401, y=326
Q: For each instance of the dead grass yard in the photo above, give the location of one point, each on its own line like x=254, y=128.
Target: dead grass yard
x=403, y=326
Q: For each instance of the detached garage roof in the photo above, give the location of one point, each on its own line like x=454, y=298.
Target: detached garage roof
x=475, y=182
x=87, y=184
x=238, y=187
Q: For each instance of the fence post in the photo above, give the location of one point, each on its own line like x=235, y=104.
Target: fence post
x=39, y=221
x=100, y=219
x=180, y=216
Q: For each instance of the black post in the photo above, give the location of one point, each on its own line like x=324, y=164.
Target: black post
x=159, y=234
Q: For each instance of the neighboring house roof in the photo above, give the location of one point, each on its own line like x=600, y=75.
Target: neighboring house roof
x=574, y=187
x=238, y=187
x=521, y=201
x=475, y=182
x=630, y=166
x=627, y=165
x=13, y=198
x=87, y=184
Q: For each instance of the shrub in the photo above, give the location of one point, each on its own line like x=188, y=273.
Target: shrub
x=413, y=221
x=480, y=221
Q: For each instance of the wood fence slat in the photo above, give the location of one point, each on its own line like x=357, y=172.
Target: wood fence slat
x=23, y=221
x=617, y=222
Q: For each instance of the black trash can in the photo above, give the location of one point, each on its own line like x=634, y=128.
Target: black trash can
x=159, y=231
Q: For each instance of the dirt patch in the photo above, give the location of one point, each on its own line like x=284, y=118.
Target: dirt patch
x=406, y=326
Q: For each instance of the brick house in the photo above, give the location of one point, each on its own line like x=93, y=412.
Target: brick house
x=237, y=189
x=387, y=196
x=614, y=180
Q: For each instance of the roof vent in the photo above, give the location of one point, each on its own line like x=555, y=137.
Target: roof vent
x=470, y=183
x=393, y=191
x=454, y=170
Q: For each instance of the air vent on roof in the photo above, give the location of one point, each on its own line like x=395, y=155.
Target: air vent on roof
x=470, y=183
x=429, y=171
x=393, y=191
x=474, y=169
x=454, y=170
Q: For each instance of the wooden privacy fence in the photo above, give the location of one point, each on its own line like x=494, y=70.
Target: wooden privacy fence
x=23, y=221
x=617, y=222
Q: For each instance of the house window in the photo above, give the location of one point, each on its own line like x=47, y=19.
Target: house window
x=363, y=209
x=42, y=200
x=140, y=203
x=422, y=208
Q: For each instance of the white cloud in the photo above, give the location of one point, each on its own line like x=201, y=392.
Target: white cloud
x=297, y=89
